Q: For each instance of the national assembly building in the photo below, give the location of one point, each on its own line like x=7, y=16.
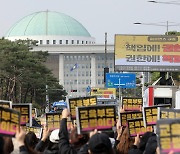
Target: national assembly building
x=74, y=57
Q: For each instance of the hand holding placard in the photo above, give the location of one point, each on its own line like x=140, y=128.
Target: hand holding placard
x=65, y=113
x=20, y=136
x=46, y=133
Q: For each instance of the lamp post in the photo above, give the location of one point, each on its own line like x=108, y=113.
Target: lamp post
x=170, y=2
x=167, y=25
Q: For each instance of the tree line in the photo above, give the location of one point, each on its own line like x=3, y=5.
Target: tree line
x=24, y=76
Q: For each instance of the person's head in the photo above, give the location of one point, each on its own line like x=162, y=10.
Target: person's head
x=151, y=145
x=125, y=142
x=30, y=142
x=53, y=140
x=144, y=140
x=100, y=143
x=54, y=136
x=55, y=108
x=8, y=145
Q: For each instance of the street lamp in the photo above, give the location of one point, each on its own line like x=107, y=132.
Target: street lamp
x=170, y=2
x=167, y=25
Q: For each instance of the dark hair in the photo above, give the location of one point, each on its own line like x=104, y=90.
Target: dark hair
x=1, y=144
x=144, y=140
x=30, y=142
x=8, y=145
x=100, y=143
x=151, y=145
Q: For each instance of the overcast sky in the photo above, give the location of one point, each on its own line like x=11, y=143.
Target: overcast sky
x=98, y=16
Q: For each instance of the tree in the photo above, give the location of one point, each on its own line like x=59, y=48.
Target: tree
x=23, y=74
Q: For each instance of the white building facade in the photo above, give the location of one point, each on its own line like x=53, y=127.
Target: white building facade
x=68, y=43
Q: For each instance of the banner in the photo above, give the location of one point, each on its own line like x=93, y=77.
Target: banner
x=125, y=116
x=104, y=93
x=6, y=104
x=81, y=101
x=150, y=114
x=102, y=117
x=168, y=132
x=132, y=104
x=9, y=121
x=164, y=113
x=136, y=126
x=147, y=53
x=37, y=130
x=25, y=111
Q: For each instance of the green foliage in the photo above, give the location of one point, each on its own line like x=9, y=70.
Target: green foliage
x=155, y=76
x=173, y=33
x=23, y=75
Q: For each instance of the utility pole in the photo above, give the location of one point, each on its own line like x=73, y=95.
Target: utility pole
x=105, y=50
x=47, y=100
x=106, y=69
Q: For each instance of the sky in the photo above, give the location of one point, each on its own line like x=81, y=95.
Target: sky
x=99, y=16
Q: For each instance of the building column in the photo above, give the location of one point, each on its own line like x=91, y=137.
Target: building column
x=93, y=70
x=61, y=69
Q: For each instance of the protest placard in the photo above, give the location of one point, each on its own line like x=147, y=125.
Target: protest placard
x=7, y=104
x=81, y=101
x=129, y=115
x=164, y=113
x=26, y=113
x=9, y=121
x=101, y=117
x=150, y=114
x=53, y=120
x=136, y=126
x=132, y=103
x=36, y=130
x=168, y=132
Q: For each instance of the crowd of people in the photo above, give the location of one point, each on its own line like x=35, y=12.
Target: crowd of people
x=64, y=141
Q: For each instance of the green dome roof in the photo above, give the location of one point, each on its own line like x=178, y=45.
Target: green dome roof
x=48, y=23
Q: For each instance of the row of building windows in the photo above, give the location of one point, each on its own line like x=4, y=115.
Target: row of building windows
x=103, y=58
x=83, y=57
x=86, y=66
x=79, y=74
x=79, y=91
x=103, y=65
x=67, y=42
x=83, y=73
x=80, y=66
x=69, y=82
x=74, y=82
